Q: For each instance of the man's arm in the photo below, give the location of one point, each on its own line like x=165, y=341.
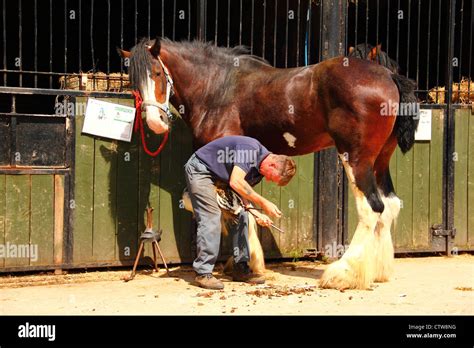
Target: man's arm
x=242, y=187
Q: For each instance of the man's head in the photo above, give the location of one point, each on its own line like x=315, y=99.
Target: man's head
x=278, y=168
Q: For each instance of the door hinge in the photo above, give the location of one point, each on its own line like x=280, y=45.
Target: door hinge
x=311, y=253
x=438, y=231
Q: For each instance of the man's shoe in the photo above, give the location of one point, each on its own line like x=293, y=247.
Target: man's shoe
x=208, y=281
x=242, y=273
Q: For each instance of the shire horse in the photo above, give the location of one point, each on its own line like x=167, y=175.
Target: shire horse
x=346, y=102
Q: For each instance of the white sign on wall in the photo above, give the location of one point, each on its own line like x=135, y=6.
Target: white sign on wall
x=109, y=120
x=423, y=132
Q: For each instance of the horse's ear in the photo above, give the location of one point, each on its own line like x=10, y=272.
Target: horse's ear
x=351, y=49
x=155, y=49
x=373, y=52
x=123, y=53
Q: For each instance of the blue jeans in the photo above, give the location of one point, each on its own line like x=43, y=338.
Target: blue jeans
x=200, y=182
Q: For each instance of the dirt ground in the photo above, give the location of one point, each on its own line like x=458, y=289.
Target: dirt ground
x=431, y=285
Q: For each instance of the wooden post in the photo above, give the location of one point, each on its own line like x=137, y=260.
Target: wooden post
x=449, y=136
x=329, y=175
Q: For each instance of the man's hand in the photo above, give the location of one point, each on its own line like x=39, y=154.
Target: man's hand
x=263, y=220
x=238, y=184
x=271, y=209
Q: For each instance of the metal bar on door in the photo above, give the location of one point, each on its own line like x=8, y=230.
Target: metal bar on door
x=4, y=13
x=449, y=133
x=216, y=23
x=264, y=26
x=240, y=22
x=36, y=41
x=174, y=21
x=387, y=40
x=298, y=25
x=286, y=32
x=121, y=45
x=149, y=20
x=397, y=58
x=408, y=38
x=50, y=42
x=251, y=26
x=460, y=50
x=108, y=44
x=418, y=43
x=275, y=23
x=377, y=29
x=20, y=37
x=438, y=50
x=470, y=50
x=366, y=24
x=428, y=39
x=65, y=38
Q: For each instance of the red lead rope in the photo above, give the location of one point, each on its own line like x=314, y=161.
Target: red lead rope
x=139, y=126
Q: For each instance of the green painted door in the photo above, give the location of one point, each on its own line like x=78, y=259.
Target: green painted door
x=464, y=179
x=28, y=237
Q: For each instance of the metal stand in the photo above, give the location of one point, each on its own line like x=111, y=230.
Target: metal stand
x=149, y=236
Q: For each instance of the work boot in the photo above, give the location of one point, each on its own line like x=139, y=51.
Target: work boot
x=208, y=281
x=242, y=273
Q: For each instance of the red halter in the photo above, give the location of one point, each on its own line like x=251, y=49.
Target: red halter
x=139, y=126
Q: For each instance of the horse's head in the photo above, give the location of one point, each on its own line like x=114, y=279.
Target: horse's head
x=374, y=54
x=150, y=76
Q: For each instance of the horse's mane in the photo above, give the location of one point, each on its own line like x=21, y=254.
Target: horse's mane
x=384, y=60
x=221, y=55
x=140, y=62
x=199, y=52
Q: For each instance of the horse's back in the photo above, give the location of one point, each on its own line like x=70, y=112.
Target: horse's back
x=354, y=82
x=353, y=69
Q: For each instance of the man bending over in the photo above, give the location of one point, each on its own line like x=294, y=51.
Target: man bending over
x=241, y=162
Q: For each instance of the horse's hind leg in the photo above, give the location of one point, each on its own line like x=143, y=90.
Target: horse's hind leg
x=356, y=267
x=384, y=252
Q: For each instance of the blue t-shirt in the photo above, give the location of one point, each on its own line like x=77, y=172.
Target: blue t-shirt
x=221, y=155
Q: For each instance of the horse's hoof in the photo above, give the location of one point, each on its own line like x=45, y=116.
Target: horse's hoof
x=384, y=270
x=382, y=279
x=338, y=275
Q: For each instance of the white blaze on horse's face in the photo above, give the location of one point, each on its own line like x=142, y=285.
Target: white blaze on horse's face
x=155, y=117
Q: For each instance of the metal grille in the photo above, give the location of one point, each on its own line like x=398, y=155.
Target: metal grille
x=415, y=34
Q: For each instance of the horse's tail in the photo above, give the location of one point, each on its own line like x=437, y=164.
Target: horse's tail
x=407, y=118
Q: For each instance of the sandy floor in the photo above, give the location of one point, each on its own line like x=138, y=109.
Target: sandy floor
x=433, y=285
